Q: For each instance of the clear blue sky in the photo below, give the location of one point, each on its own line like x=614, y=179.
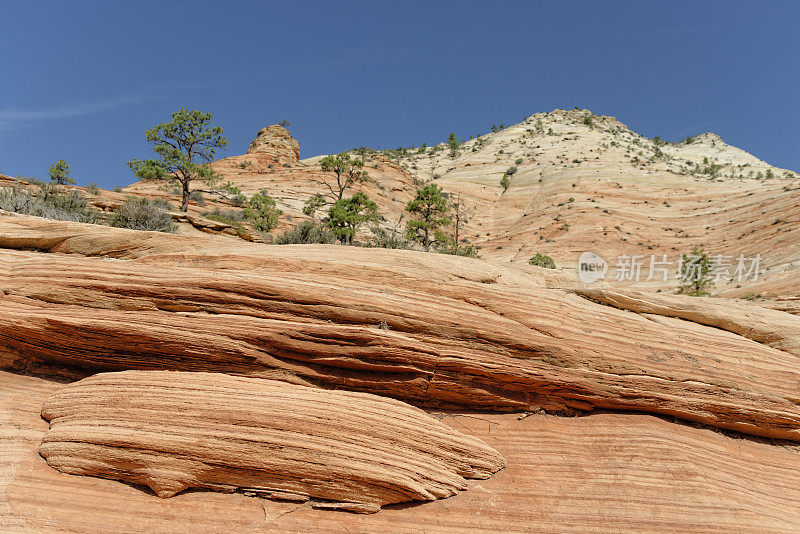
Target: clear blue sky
x=83, y=80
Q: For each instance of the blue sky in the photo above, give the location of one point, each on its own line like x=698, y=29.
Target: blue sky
x=83, y=80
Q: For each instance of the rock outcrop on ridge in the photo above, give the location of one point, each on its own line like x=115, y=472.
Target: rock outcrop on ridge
x=275, y=142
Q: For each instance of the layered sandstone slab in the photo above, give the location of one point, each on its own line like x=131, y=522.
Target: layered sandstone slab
x=769, y=326
x=436, y=332
x=172, y=431
x=599, y=473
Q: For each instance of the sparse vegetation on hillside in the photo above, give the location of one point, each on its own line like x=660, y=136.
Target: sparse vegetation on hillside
x=186, y=145
x=49, y=201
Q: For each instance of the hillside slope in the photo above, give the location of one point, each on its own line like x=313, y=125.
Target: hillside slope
x=582, y=183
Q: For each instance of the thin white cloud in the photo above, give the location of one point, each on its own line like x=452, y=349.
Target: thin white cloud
x=13, y=117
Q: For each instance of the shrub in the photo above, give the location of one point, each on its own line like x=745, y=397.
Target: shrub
x=93, y=189
x=542, y=260
x=446, y=244
x=30, y=180
x=228, y=215
x=518, y=161
x=306, y=233
x=695, y=273
x=197, y=196
x=261, y=211
x=144, y=214
x=382, y=238
x=49, y=202
x=505, y=181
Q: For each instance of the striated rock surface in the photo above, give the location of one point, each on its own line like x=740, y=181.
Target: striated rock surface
x=604, y=472
x=768, y=326
x=424, y=336
x=274, y=141
x=172, y=431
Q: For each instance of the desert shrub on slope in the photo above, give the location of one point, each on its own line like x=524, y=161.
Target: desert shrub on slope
x=261, y=211
x=542, y=260
x=307, y=233
x=50, y=202
x=144, y=214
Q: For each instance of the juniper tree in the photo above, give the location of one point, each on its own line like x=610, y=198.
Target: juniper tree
x=453, y=242
x=452, y=140
x=313, y=204
x=695, y=271
x=186, y=145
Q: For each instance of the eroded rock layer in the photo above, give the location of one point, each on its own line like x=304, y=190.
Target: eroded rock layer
x=172, y=431
x=603, y=472
x=456, y=333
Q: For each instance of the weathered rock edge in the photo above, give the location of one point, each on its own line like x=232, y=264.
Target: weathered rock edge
x=175, y=430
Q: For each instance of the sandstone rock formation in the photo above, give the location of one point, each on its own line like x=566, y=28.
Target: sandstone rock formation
x=274, y=141
x=770, y=327
x=632, y=410
x=171, y=431
x=457, y=343
x=610, y=471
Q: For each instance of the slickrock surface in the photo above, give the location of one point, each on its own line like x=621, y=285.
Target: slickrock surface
x=172, y=431
x=599, y=473
x=771, y=327
x=429, y=337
